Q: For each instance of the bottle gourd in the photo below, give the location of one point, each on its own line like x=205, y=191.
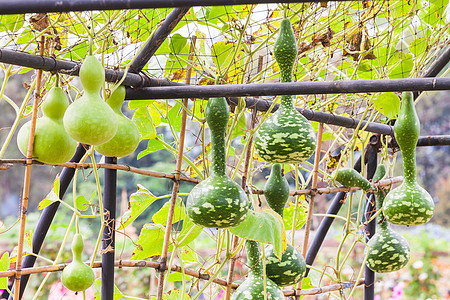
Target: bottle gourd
x=77, y=276
x=52, y=144
x=253, y=287
x=89, y=120
x=350, y=178
x=408, y=204
x=388, y=251
x=127, y=137
x=291, y=268
x=217, y=201
x=286, y=136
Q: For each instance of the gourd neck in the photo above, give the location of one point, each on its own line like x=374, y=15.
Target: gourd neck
x=218, y=152
x=253, y=255
x=409, y=166
x=91, y=95
x=286, y=102
x=77, y=247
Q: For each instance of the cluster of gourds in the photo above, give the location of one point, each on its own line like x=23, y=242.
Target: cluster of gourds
x=218, y=202
x=408, y=204
x=89, y=120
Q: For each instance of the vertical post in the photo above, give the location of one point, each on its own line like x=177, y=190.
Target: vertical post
x=369, y=275
x=108, y=238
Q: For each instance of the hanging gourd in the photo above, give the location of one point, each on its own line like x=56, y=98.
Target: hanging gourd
x=408, y=204
x=350, y=178
x=89, y=120
x=52, y=144
x=77, y=276
x=291, y=268
x=217, y=201
x=253, y=287
x=387, y=250
x=126, y=139
x=286, y=136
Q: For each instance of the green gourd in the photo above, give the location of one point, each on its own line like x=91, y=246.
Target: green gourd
x=217, y=201
x=350, y=178
x=253, y=287
x=89, y=120
x=291, y=268
x=286, y=136
x=408, y=204
x=77, y=276
x=127, y=137
x=52, y=144
x=388, y=251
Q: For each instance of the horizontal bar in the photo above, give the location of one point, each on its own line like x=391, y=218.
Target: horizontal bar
x=68, y=67
x=290, y=88
x=318, y=116
x=43, y=6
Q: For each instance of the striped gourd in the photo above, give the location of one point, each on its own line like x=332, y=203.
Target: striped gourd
x=291, y=268
x=408, y=204
x=388, y=251
x=217, y=201
x=350, y=178
x=253, y=287
x=286, y=136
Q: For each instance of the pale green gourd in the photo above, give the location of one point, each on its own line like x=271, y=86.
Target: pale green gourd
x=89, y=120
x=52, y=144
x=77, y=276
x=127, y=137
x=408, y=204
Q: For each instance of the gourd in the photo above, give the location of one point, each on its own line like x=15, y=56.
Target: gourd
x=77, y=276
x=350, y=178
x=253, y=287
x=388, y=251
x=291, y=268
x=126, y=139
x=217, y=201
x=408, y=204
x=52, y=144
x=286, y=136
x=89, y=120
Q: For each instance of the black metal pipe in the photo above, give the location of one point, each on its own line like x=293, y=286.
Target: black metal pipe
x=369, y=275
x=43, y=6
x=68, y=67
x=46, y=219
x=325, y=225
x=158, y=38
x=313, y=115
x=108, y=237
x=290, y=88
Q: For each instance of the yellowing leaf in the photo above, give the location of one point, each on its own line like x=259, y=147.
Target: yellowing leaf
x=139, y=201
x=51, y=197
x=4, y=266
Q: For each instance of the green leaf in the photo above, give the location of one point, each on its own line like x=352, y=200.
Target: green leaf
x=11, y=22
x=240, y=127
x=82, y=203
x=98, y=287
x=152, y=146
x=176, y=276
x=222, y=54
x=188, y=255
x=403, y=68
x=162, y=215
x=418, y=46
x=139, y=201
x=302, y=213
x=189, y=232
x=150, y=242
x=177, y=43
x=133, y=104
x=388, y=104
x=144, y=123
x=265, y=227
x=51, y=197
x=4, y=266
x=174, y=117
x=306, y=284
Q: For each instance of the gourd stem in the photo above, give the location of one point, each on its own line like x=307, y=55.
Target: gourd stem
x=253, y=255
x=409, y=166
x=218, y=152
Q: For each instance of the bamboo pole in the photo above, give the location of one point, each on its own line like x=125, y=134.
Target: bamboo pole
x=178, y=269
x=176, y=184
